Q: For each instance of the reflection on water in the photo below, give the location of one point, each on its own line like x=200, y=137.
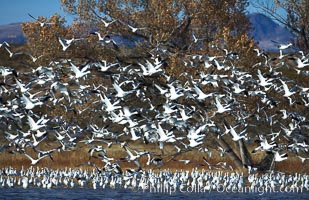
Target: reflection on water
x=88, y=193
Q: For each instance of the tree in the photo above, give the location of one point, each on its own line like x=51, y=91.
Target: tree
x=291, y=13
x=170, y=24
x=39, y=36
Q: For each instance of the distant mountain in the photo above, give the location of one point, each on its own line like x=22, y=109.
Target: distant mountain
x=265, y=30
x=12, y=33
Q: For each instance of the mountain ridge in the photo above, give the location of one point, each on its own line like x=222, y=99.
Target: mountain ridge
x=265, y=31
x=12, y=33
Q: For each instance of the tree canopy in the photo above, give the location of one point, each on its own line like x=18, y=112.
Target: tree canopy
x=180, y=27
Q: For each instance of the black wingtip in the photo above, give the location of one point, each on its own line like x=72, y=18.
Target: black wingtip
x=31, y=16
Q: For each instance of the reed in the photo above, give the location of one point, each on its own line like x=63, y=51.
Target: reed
x=79, y=157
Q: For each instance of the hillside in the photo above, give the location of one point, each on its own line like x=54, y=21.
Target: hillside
x=265, y=30
x=12, y=33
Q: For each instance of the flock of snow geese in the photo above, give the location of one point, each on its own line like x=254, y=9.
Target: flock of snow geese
x=152, y=107
x=164, y=181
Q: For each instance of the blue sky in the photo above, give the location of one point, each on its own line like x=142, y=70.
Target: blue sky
x=16, y=10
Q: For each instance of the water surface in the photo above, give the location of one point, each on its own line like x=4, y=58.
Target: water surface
x=89, y=193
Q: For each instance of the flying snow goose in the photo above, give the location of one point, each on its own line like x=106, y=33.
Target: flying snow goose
x=34, y=126
x=39, y=21
x=66, y=43
x=35, y=161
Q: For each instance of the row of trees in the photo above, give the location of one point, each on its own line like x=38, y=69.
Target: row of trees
x=169, y=25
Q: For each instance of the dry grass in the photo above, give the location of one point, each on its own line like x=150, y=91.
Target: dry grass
x=77, y=159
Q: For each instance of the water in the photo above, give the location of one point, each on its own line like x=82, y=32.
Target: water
x=89, y=193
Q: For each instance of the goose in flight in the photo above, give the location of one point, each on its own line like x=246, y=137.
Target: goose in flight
x=109, y=106
x=127, y=113
x=220, y=107
x=35, y=161
x=134, y=29
x=150, y=69
x=12, y=54
x=34, y=59
x=260, y=53
x=264, y=145
x=163, y=137
x=173, y=94
x=194, y=134
x=79, y=73
x=195, y=142
x=184, y=116
x=134, y=136
x=98, y=34
x=36, y=142
x=300, y=63
x=280, y=157
x=66, y=43
x=162, y=91
x=237, y=89
x=282, y=46
x=62, y=88
x=29, y=103
x=287, y=91
x=106, y=23
x=34, y=126
x=4, y=44
x=23, y=88
x=263, y=81
x=120, y=92
x=235, y=135
x=96, y=148
x=195, y=39
x=106, y=38
x=5, y=71
x=200, y=94
x=302, y=159
x=132, y=157
x=103, y=66
x=39, y=21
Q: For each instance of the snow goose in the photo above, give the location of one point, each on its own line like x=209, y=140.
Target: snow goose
x=220, y=107
x=108, y=105
x=12, y=54
x=40, y=21
x=34, y=126
x=66, y=43
x=79, y=73
x=35, y=161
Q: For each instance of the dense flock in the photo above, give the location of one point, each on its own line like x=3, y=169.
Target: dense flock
x=162, y=181
x=98, y=105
